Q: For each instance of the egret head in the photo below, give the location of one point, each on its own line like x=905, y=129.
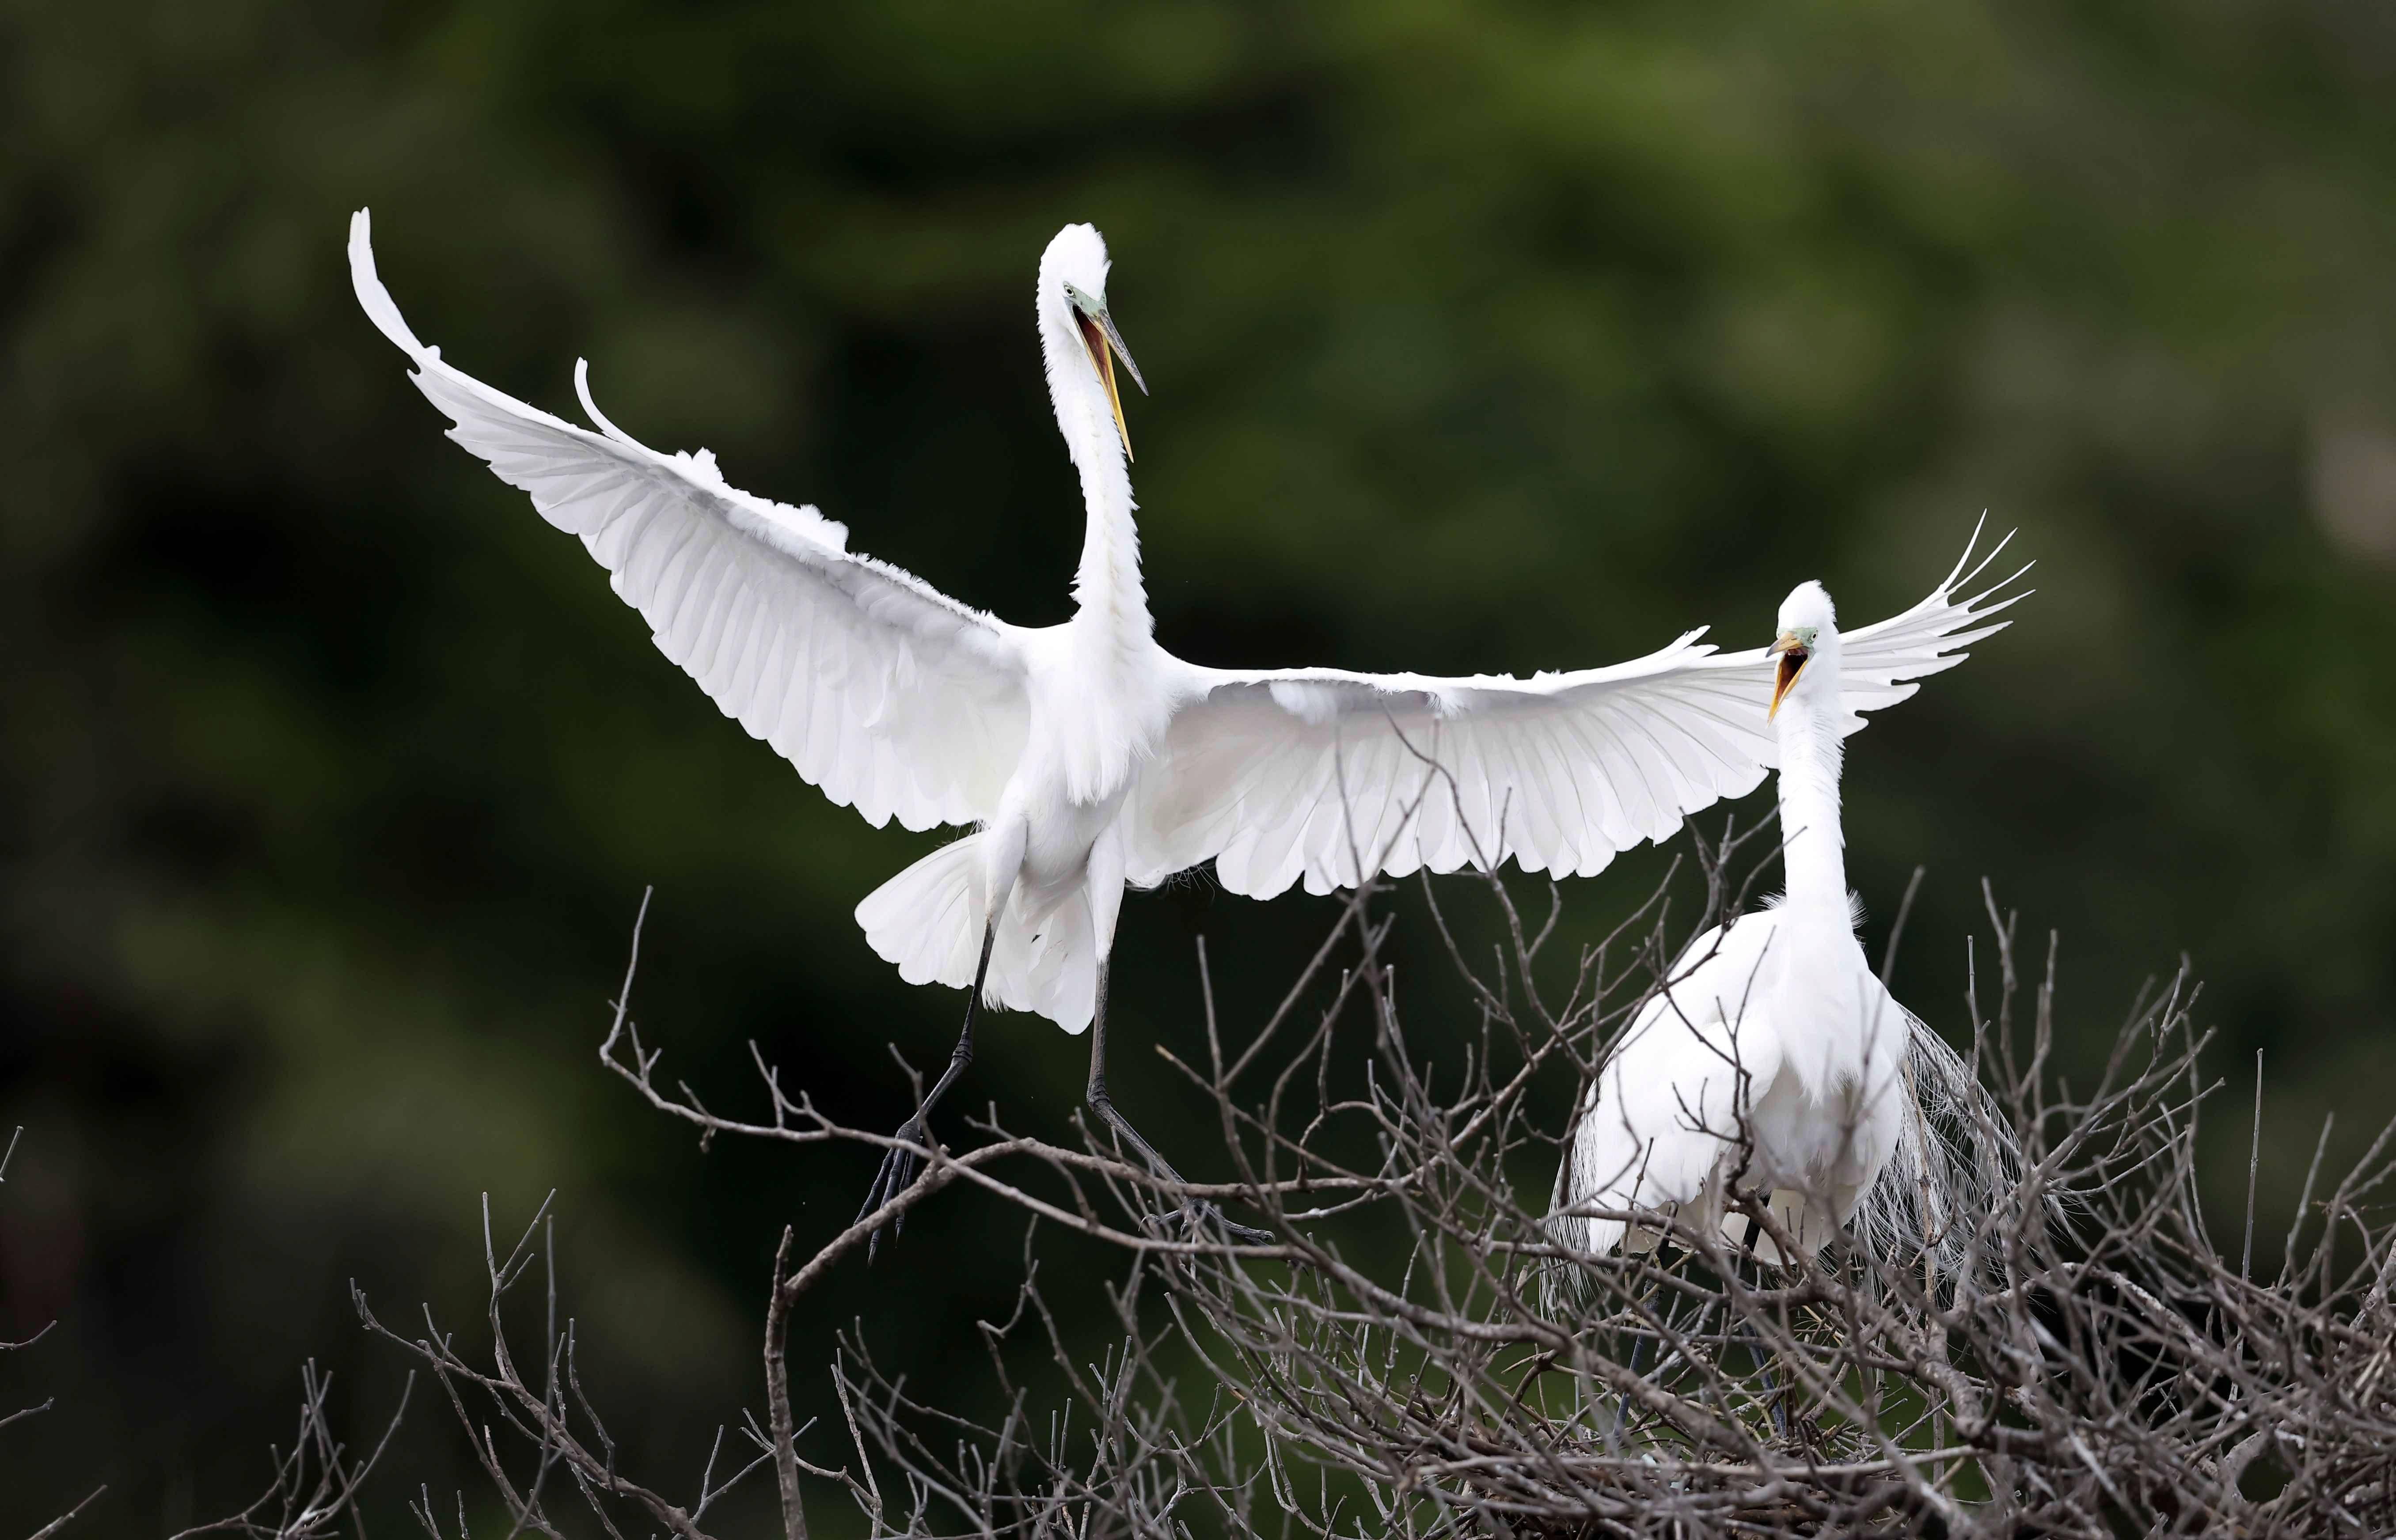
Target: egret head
x=1076, y=263
x=1808, y=628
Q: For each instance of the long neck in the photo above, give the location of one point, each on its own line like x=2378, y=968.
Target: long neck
x=1812, y=851
x=1107, y=585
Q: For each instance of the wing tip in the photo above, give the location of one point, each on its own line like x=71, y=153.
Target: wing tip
x=373, y=298
x=1960, y=578
x=1969, y=545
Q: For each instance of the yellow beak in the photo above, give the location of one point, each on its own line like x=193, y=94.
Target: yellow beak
x=1096, y=340
x=1106, y=344
x=1793, y=657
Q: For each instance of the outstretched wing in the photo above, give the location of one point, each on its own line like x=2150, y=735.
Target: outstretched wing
x=1320, y=776
x=884, y=691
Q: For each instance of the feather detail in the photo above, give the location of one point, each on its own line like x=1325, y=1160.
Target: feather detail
x=884, y=693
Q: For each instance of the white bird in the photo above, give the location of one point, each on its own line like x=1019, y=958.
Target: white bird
x=1084, y=757
x=1773, y=1059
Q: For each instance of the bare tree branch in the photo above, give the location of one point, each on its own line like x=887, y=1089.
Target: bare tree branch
x=2034, y=1333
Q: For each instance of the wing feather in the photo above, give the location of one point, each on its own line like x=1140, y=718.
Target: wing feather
x=1303, y=775
x=881, y=690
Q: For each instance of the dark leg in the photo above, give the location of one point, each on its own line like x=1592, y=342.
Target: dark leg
x=1623, y=1411
x=1103, y=1104
x=898, y=1167
x=1662, y=1260
x=1762, y=1361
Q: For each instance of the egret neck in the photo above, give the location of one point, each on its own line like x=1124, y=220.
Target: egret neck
x=1107, y=586
x=1813, y=850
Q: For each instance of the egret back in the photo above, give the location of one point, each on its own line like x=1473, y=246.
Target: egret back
x=1675, y=1086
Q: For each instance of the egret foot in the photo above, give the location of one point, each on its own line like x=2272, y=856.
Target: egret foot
x=1195, y=1216
x=1190, y=1216
x=897, y=1173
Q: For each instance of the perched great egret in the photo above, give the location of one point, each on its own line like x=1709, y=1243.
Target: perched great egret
x=1773, y=1058
x=1086, y=758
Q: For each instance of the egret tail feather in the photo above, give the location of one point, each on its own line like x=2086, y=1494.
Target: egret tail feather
x=928, y=921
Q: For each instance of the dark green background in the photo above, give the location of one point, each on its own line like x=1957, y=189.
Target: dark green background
x=1491, y=338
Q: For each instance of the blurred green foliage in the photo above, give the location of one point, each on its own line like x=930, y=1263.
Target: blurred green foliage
x=1483, y=337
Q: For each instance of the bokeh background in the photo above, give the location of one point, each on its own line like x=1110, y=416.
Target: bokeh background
x=1483, y=337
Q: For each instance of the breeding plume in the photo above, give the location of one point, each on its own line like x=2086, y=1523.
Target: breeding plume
x=1773, y=1059
x=1082, y=756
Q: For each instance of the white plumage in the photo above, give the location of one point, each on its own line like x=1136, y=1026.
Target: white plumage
x=1773, y=1059
x=1558, y=773
x=1085, y=756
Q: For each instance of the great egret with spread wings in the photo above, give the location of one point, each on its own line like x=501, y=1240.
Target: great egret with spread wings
x=1086, y=759
x=1773, y=1059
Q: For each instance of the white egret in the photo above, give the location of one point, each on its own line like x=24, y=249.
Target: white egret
x=1772, y=1059
x=1084, y=757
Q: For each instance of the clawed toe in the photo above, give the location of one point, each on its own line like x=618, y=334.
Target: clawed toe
x=1195, y=1216
x=897, y=1172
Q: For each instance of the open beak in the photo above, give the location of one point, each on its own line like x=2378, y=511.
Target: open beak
x=1106, y=345
x=1792, y=655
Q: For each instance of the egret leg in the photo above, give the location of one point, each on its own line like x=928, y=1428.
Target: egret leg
x=898, y=1167
x=1103, y=1104
x=1638, y=1345
x=1763, y=1370
x=1771, y=1381
x=1623, y=1410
